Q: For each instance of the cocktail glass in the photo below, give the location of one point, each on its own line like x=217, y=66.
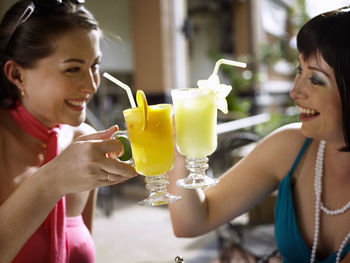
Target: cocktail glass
x=150, y=133
x=195, y=121
x=196, y=137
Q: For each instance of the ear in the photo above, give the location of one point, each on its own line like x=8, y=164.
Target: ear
x=14, y=73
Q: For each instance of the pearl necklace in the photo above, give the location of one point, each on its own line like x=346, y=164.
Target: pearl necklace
x=320, y=207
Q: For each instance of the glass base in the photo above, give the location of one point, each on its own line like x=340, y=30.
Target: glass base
x=195, y=183
x=156, y=199
x=197, y=177
x=159, y=194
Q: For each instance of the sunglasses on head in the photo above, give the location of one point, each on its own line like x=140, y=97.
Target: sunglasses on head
x=40, y=5
x=43, y=5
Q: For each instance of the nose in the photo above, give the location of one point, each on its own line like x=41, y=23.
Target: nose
x=299, y=89
x=91, y=82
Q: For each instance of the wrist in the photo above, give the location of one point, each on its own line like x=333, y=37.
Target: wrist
x=48, y=188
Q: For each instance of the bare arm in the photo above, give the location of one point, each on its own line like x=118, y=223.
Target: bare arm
x=243, y=186
x=23, y=211
x=22, y=214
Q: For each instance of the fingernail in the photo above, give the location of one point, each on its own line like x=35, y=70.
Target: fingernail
x=114, y=128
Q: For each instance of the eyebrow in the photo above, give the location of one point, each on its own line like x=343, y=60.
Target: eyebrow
x=79, y=60
x=73, y=60
x=316, y=68
x=320, y=70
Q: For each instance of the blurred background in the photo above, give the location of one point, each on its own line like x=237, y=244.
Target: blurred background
x=160, y=45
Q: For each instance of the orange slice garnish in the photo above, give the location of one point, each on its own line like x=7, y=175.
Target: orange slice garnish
x=142, y=103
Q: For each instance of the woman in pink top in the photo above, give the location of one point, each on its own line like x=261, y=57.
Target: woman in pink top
x=49, y=71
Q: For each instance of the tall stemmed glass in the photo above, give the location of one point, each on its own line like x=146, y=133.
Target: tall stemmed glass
x=150, y=135
x=195, y=121
x=149, y=130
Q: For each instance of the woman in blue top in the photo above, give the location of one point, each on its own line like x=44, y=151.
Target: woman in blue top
x=308, y=162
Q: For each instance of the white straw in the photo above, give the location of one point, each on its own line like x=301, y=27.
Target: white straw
x=228, y=62
x=122, y=85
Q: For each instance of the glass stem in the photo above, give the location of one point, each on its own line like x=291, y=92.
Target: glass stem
x=158, y=183
x=197, y=167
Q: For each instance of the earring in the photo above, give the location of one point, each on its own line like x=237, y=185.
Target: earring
x=22, y=92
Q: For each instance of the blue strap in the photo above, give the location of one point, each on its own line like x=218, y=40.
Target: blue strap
x=301, y=152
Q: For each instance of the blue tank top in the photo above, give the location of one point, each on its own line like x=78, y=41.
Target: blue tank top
x=290, y=243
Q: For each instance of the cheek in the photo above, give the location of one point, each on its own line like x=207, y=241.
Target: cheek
x=97, y=79
x=52, y=93
x=334, y=110
x=336, y=101
x=39, y=90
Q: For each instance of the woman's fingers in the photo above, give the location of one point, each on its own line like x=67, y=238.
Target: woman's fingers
x=115, y=172
x=101, y=135
x=117, y=168
x=91, y=167
x=109, y=145
x=110, y=179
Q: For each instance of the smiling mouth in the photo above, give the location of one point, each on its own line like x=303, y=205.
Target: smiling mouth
x=306, y=114
x=76, y=103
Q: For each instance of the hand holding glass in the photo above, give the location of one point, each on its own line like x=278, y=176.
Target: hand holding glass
x=150, y=133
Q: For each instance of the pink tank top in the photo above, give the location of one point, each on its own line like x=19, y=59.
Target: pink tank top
x=80, y=245
x=59, y=239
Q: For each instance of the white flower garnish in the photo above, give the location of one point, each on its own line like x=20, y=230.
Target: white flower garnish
x=220, y=91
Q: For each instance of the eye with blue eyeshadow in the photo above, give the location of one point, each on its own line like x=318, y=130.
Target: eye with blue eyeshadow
x=316, y=80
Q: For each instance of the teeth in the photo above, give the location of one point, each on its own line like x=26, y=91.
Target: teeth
x=77, y=103
x=306, y=111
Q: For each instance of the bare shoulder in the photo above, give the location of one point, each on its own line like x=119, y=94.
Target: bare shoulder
x=82, y=129
x=286, y=135
x=279, y=149
x=260, y=172
x=69, y=133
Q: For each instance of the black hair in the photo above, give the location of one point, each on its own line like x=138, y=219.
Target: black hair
x=328, y=34
x=32, y=39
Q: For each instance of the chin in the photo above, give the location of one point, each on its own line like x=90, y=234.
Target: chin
x=307, y=132
x=75, y=121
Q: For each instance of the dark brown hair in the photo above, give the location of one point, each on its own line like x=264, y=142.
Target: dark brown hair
x=329, y=35
x=32, y=39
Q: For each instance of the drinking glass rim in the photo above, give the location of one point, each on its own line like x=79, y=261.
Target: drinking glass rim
x=189, y=93
x=152, y=107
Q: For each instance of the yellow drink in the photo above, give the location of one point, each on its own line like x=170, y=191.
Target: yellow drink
x=195, y=121
x=152, y=147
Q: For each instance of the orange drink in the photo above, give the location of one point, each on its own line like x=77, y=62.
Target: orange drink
x=150, y=133
x=152, y=147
